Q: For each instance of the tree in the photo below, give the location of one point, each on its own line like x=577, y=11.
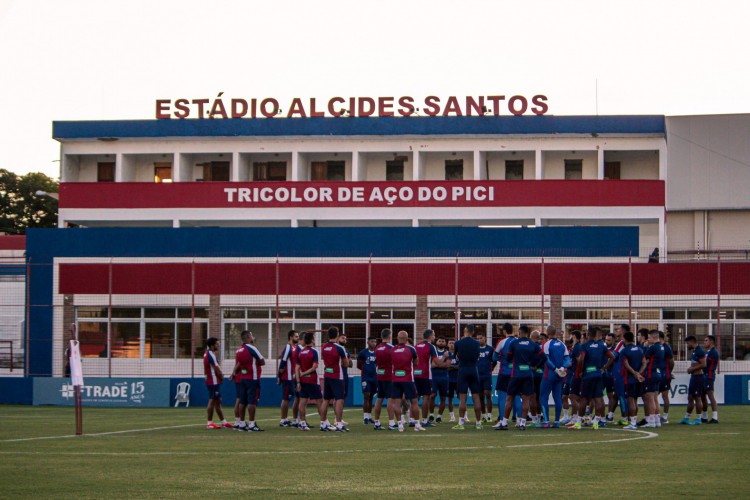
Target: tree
x=20, y=207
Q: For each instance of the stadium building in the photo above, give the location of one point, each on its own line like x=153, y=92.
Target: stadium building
x=175, y=230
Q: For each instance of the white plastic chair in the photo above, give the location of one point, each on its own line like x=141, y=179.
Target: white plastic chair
x=183, y=394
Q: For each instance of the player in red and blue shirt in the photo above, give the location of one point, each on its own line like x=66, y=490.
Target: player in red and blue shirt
x=404, y=358
x=631, y=362
x=308, y=387
x=652, y=373
x=369, y=376
x=247, y=371
x=507, y=337
x=524, y=354
x=485, y=366
x=555, y=371
x=440, y=381
x=286, y=379
x=384, y=374
x=594, y=359
x=335, y=360
x=696, y=386
x=709, y=376
x=666, y=380
x=427, y=359
x=214, y=377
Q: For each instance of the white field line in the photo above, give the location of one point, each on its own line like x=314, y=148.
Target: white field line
x=642, y=435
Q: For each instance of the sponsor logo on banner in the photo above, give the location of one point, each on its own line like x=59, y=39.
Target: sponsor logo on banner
x=103, y=392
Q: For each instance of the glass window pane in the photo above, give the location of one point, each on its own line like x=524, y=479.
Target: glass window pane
x=126, y=340
x=306, y=313
x=159, y=312
x=232, y=338
x=331, y=313
x=159, y=342
x=259, y=313
x=126, y=312
x=404, y=314
x=726, y=341
x=675, y=334
x=284, y=313
x=355, y=313
x=647, y=313
x=260, y=332
x=742, y=313
x=234, y=313
x=356, y=336
x=407, y=327
x=187, y=342
x=93, y=339
x=723, y=314
x=574, y=314
x=531, y=313
x=381, y=313
x=187, y=312
x=442, y=314
x=474, y=314
x=698, y=314
x=621, y=314
x=600, y=314
x=742, y=341
x=674, y=314
x=91, y=312
x=446, y=330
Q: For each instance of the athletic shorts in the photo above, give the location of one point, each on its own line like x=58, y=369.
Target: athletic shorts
x=665, y=384
x=384, y=389
x=424, y=386
x=521, y=386
x=566, y=388
x=249, y=392
x=310, y=391
x=575, y=388
x=651, y=384
x=502, y=383
x=333, y=389
x=468, y=380
x=237, y=389
x=346, y=387
x=288, y=390
x=369, y=387
x=709, y=385
x=452, y=389
x=440, y=387
x=609, y=384
x=538, y=383
x=485, y=383
x=634, y=390
x=214, y=391
x=697, y=386
x=406, y=389
x=592, y=387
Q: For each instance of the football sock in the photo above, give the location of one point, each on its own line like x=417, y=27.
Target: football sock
x=716, y=415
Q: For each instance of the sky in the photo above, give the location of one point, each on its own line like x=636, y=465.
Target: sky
x=111, y=60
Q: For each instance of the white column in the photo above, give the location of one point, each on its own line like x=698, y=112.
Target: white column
x=295, y=166
x=480, y=173
x=538, y=165
x=415, y=223
x=662, y=239
x=175, y=223
x=235, y=175
x=294, y=223
x=418, y=173
x=176, y=168
x=663, y=162
x=358, y=170
x=600, y=163
x=118, y=167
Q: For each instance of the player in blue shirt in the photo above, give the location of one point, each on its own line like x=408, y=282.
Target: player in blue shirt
x=440, y=382
x=452, y=378
x=654, y=359
x=575, y=381
x=709, y=375
x=485, y=366
x=594, y=359
x=467, y=353
x=631, y=359
x=523, y=353
x=696, y=386
x=369, y=375
x=507, y=337
x=619, y=378
x=666, y=379
x=535, y=407
x=553, y=376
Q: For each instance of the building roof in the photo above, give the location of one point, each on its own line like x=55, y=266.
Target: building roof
x=382, y=126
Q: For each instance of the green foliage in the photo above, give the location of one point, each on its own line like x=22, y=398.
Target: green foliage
x=20, y=207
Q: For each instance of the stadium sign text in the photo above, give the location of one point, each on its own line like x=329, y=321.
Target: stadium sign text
x=103, y=392
x=336, y=107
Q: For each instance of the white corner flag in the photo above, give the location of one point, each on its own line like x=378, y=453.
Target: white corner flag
x=76, y=370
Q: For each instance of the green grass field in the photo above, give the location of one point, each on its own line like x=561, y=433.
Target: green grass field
x=162, y=453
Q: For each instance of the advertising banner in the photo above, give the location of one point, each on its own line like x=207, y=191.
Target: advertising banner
x=131, y=392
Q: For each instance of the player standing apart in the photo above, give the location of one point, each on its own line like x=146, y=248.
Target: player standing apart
x=247, y=371
x=712, y=364
x=214, y=377
x=369, y=376
x=286, y=380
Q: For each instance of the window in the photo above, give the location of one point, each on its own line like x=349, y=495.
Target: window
x=328, y=171
x=215, y=171
x=454, y=170
x=394, y=170
x=514, y=170
x=612, y=170
x=163, y=172
x=269, y=171
x=573, y=170
x=105, y=172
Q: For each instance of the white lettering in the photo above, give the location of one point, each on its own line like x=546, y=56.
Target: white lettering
x=295, y=196
x=492, y=194
x=480, y=193
x=230, y=194
x=266, y=194
x=424, y=193
x=457, y=192
x=358, y=194
x=376, y=195
x=406, y=193
x=282, y=195
x=345, y=194
x=243, y=195
x=326, y=194
x=310, y=194
x=439, y=193
x=390, y=195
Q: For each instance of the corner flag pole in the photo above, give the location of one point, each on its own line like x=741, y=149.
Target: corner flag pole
x=76, y=377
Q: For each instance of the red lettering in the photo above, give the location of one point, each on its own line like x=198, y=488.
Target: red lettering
x=162, y=109
x=352, y=107
x=431, y=105
x=477, y=106
x=495, y=100
x=331, y=110
x=407, y=106
x=512, y=105
x=540, y=101
x=239, y=108
x=452, y=107
x=296, y=109
x=264, y=107
x=361, y=111
x=200, y=103
x=385, y=106
x=253, y=107
x=182, y=108
x=313, y=112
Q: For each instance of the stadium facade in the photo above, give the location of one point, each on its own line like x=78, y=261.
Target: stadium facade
x=174, y=230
